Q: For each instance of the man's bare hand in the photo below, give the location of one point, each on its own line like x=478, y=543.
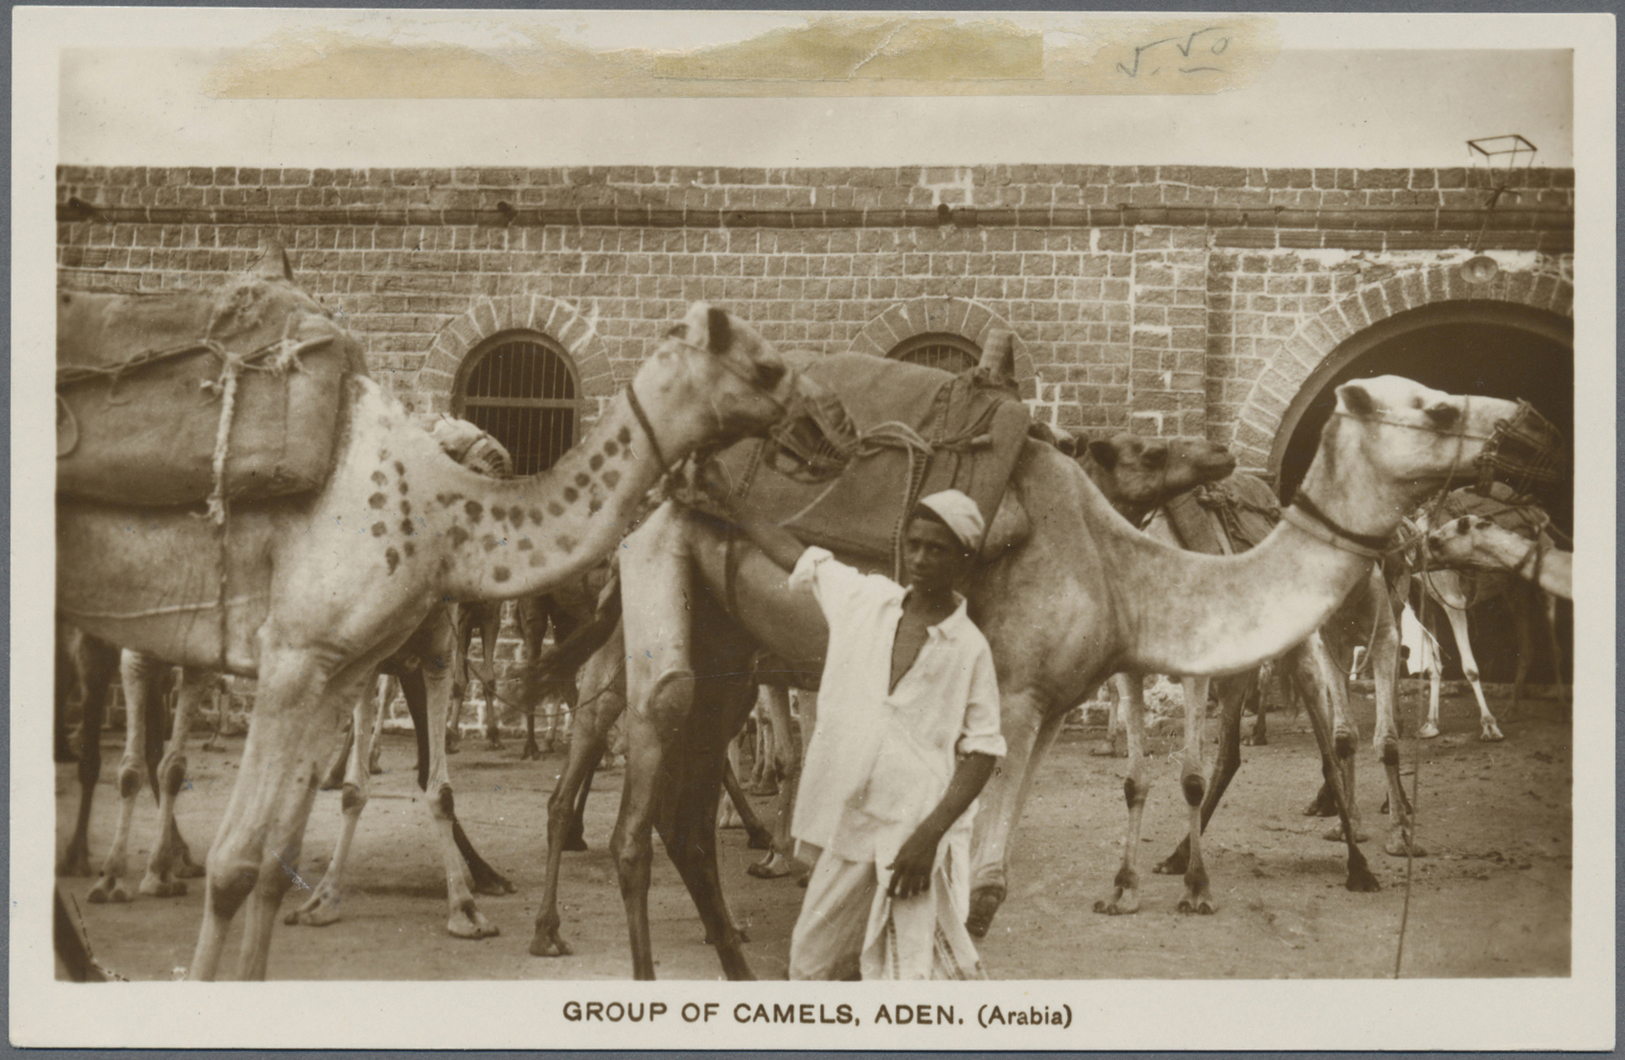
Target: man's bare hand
x=911, y=870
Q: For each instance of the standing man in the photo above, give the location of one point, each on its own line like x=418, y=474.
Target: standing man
x=907, y=735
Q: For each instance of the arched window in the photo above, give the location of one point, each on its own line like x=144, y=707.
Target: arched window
x=942, y=350
x=521, y=386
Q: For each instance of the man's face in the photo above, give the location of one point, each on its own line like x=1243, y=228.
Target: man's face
x=933, y=558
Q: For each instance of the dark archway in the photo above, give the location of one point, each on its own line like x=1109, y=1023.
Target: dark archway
x=1498, y=349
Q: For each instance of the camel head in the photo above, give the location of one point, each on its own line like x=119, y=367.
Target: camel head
x=1392, y=441
x=713, y=379
x=1138, y=474
x=1461, y=542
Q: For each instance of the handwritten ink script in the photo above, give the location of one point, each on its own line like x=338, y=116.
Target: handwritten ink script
x=1190, y=53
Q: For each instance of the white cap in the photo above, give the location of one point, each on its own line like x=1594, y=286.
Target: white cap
x=961, y=515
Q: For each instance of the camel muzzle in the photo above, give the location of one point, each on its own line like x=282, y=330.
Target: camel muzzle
x=1525, y=451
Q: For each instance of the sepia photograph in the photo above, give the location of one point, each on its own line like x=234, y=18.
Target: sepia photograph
x=1076, y=507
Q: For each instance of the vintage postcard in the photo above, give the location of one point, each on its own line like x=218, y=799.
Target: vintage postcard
x=594, y=529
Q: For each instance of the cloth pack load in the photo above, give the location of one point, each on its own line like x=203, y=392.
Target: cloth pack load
x=1220, y=518
x=918, y=430
x=178, y=398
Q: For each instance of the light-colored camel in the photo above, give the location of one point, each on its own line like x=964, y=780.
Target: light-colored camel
x=429, y=666
x=1082, y=595
x=1457, y=592
x=1477, y=542
x=309, y=593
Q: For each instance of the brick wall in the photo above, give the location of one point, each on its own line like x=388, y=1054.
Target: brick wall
x=1169, y=300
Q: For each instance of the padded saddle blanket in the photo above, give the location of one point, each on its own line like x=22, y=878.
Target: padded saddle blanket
x=1224, y=517
x=973, y=433
x=150, y=386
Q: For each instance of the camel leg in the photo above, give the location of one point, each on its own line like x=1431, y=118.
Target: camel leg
x=758, y=835
x=786, y=770
x=1232, y=702
x=665, y=709
x=141, y=674
x=591, y=725
x=1197, y=897
x=464, y=920
x=99, y=662
x=1488, y=729
x=1260, y=736
x=489, y=617
x=1385, y=680
x=256, y=853
x=1029, y=731
x=1107, y=748
x=690, y=838
x=1320, y=682
x=322, y=907
x=1519, y=600
x=171, y=859
x=62, y=689
x=1126, y=887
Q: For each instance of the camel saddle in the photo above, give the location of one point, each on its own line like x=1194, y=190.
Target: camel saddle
x=1225, y=517
x=176, y=398
x=912, y=431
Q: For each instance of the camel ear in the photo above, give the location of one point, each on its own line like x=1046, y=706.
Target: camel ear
x=719, y=332
x=1443, y=416
x=273, y=261
x=1356, y=399
x=695, y=327
x=998, y=364
x=1104, y=454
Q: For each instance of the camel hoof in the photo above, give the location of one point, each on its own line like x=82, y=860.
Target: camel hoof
x=549, y=945
x=108, y=891
x=765, y=789
x=154, y=888
x=530, y=752
x=1200, y=904
x=575, y=842
x=1491, y=733
x=75, y=863
x=318, y=912
x=1398, y=846
x=1107, y=749
x=1428, y=731
x=1337, y=835
x=775, y=867
x=984, y=903
x=1256, y=739
x=1121, y=904
x=1173, y=865
x=467, y=923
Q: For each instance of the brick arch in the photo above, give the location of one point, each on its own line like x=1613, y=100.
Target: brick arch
x=487, y=316
x=956, y=316
x=1317, y=337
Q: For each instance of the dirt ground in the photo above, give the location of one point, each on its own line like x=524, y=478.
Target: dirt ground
x=1493, y=899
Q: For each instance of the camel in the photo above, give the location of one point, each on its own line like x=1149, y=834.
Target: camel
x=1081, y=595
x=1458, y=591
x=1479, y=543
x=309, y=592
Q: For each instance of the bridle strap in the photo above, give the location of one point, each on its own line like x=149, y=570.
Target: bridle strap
x=1306, y=515
x=648, y=428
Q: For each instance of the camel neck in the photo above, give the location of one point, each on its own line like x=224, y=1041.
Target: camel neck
x=513, y=537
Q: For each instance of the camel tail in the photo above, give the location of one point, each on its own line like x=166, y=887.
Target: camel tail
x=562, y=660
